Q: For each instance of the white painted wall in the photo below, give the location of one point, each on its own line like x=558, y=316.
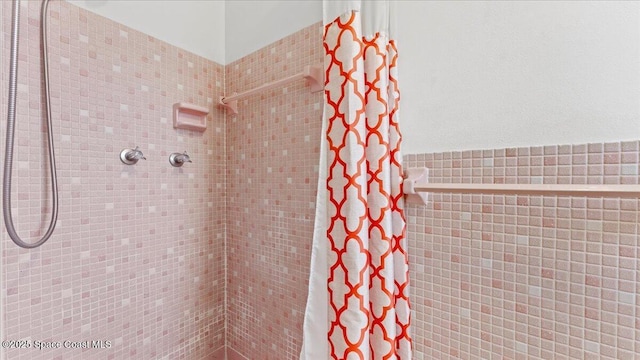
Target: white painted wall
x=474, y=74
x=488, y=74
x=201, y=26
x=194, y=25
x=253, y=24
x=477, y=75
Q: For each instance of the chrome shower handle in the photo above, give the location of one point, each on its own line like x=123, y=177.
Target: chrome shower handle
x=131, y=156
x=136, y=154
x=177, y=159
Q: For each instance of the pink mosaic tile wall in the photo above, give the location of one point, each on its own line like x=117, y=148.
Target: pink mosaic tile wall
x=518, y=277
x=137, y=258
x=273, y=149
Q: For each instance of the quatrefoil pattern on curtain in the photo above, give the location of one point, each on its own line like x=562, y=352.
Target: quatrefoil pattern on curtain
x=368, y=278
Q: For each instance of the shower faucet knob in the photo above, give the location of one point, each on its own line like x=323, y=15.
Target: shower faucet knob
x=131, y=156
x=177, y=159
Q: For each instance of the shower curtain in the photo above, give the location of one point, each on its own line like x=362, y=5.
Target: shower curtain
x=358, y=302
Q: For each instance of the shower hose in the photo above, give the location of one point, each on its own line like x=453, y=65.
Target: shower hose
x=11, y=119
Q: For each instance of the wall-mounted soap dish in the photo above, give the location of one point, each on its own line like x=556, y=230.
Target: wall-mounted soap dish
x=189, y=116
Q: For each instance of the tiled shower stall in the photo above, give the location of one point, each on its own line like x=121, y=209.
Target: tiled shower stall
x=185, y=263
x=138, y=256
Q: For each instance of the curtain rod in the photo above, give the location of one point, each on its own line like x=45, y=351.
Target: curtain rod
x=313, y=74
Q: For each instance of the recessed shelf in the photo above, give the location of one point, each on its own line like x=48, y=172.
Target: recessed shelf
x=189, y=116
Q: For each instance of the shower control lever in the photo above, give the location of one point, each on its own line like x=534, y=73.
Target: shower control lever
x=131, y=156
x=177, y=159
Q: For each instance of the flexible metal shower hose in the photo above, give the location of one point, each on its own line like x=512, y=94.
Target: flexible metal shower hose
x=11, y=119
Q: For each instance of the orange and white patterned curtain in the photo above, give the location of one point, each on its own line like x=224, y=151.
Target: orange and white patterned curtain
x=360, y=249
